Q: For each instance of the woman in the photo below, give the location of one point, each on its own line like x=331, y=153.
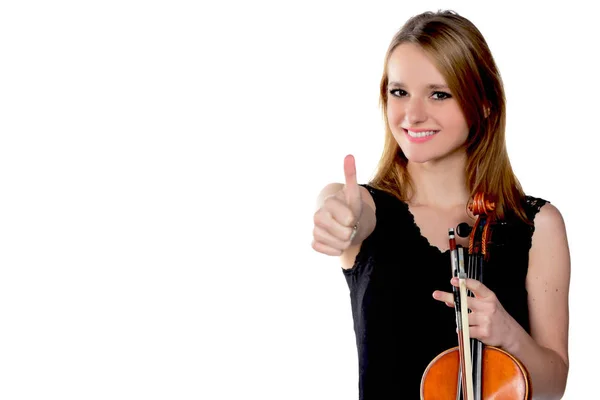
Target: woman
x=444, y=109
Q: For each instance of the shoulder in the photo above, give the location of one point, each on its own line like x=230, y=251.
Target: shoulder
x=532, y=205
x=369, y=195
x=549, y=241
x=378, y=197
x=542, y=214
x=547, y=218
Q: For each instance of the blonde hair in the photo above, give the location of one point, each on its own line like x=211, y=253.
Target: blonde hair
x=464, y=59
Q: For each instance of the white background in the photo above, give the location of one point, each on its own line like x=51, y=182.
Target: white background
x=159, y=164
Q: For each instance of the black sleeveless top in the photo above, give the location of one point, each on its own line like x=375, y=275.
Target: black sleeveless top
x=400, y=328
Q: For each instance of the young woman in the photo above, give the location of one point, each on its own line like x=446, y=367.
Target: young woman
x=444, y=107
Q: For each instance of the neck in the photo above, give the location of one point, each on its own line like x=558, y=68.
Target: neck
x=439, y=183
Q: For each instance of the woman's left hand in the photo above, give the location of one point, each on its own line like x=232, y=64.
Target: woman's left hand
x=488, y=320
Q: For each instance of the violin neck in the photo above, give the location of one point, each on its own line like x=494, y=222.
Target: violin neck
x=470, y=350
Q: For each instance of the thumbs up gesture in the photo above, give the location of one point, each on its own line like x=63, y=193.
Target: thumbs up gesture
x=336, y=220
x=351, y=189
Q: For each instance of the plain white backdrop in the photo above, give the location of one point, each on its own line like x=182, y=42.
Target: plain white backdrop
x=159, y=165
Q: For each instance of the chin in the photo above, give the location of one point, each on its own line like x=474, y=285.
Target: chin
x=419, y=157
x=423, y=154
x=422, y=157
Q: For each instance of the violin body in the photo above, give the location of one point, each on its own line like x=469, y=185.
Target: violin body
x=504, y=377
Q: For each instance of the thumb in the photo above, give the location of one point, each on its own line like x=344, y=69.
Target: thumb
x=351, y=188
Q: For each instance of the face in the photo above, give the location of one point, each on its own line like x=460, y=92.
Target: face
x=424, y=117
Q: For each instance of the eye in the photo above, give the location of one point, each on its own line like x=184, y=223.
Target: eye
x=398, y=92
x=441, y=95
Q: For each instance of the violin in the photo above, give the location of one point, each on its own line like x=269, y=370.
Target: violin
x=472, y=370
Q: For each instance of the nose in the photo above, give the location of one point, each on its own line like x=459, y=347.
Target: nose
x=415, y=112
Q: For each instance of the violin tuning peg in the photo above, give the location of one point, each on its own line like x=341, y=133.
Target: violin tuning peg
x=463, y=229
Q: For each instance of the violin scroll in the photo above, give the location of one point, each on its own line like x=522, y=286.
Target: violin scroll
x=480, y=236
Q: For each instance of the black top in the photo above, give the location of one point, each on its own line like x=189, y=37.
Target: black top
x=400, y=328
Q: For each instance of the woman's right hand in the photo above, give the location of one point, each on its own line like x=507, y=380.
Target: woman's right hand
x=336, y=220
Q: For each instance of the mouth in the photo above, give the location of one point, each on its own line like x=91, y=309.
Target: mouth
x=420, y=134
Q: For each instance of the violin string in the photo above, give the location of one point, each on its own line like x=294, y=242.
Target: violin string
x=477, y=259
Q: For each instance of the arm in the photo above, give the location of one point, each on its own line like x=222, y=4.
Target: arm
x=545, y=352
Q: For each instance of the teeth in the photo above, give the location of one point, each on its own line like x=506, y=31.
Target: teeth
x=420, y=134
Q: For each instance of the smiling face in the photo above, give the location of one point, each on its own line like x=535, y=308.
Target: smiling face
x=423, y=116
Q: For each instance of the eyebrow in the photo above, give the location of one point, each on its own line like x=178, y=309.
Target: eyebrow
x=432, y=86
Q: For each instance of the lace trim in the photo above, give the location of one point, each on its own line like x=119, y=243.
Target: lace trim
x=410, y=218
x=533, y=206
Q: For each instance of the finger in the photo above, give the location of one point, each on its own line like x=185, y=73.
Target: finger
x=335, y=217
x=351, y=188
x=475, y=286
x=481, y=333
x=478, y=319
x=475, y=304
x=322, y=236
x=444, y=297
x=323, y=248
x=478, y=288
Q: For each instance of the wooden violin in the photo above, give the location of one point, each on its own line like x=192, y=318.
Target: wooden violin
x=472, y=370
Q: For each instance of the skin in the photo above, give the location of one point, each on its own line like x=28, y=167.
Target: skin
x=418, y=99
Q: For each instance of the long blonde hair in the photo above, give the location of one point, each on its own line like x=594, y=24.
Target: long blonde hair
x=464, y=59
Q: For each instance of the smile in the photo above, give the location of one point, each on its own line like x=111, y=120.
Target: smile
x=420, y=136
